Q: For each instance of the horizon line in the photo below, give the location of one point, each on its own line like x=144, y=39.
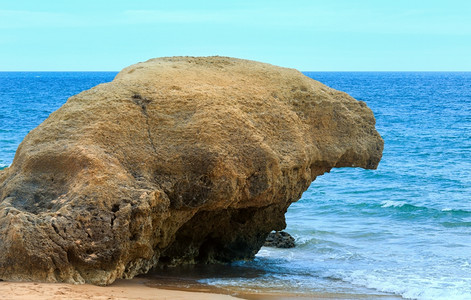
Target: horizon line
x=319, y=71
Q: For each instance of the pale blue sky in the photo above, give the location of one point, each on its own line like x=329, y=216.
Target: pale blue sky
x=334, y=35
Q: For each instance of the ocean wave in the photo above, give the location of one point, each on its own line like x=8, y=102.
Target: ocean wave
x=456, y=224
x=450, y=210
x=403, y=206
x=391, y=203
x=406, y=207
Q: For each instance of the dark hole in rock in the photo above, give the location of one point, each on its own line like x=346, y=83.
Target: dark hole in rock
x=115, y=208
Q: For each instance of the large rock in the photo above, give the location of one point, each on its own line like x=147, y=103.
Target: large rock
x=177, y=160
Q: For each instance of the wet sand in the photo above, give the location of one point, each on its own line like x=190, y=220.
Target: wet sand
x=144, y=289
x=268, y=295
x=192, y=278
x=169, y=283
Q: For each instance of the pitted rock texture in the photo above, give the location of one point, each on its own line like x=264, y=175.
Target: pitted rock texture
x=177, y=160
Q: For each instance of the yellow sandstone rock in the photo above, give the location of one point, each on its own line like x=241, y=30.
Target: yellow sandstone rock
x=177, y=160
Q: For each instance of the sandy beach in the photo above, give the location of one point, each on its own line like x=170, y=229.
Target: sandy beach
x=121, y=289
x=144, y=289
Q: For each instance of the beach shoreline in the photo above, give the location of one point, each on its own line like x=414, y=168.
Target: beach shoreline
x=266, y=294
x=145, y=289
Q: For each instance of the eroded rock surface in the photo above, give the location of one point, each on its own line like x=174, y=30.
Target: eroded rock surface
x=177, y=160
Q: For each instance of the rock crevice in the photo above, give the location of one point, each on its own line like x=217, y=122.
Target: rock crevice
x=143, y=102
x=177, y=160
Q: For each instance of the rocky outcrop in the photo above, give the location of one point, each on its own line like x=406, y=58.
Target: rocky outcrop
x=279, y=239
x=177, y=160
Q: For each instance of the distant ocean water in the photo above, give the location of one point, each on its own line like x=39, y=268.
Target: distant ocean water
x=27, y=99
x=403, y=229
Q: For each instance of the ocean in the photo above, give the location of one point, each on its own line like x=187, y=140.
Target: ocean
x=403, y=230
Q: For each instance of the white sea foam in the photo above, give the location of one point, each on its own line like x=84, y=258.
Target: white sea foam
x=390, y=203
x=407, y=286
x=264, y=252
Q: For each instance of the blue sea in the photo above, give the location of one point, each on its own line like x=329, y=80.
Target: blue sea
x=403, y=230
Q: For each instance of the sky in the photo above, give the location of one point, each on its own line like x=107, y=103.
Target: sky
x=315, y=35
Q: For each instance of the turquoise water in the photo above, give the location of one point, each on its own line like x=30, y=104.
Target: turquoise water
x=403, y=229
